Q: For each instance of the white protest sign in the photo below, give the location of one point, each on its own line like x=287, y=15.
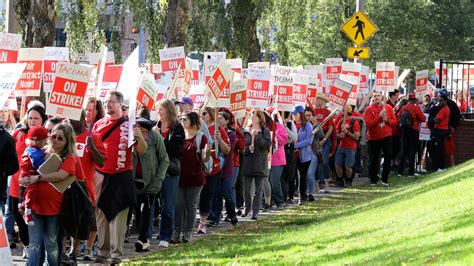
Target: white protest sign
x=10, y=44
x=385, y=79
x=351, y=73
x=211, y=62
x=339, y=94
x=9, y=76
x=30, y=81
x=52, y=55
x=422, y=80
x=333, y=68
x=129, y=79
x=196, y=93
x=282, y=84
x=364, y=80
x=217, y=82
x=425, y=132
x=259, y=65
x=147, y=91
x=238, y=98
x=258, y=88
x=110, y=80
x=300, y=89
x=69, y=89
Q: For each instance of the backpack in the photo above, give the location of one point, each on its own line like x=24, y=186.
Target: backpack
x=76, y=211
x=454, y=114
x=207, y=166
x=405, y=119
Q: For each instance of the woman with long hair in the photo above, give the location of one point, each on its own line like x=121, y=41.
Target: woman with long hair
x=278, y=160
x=255, y=161
x=222, y=145
x=46, y=207
x=192, y=178
x=173, y=135
x=93, y=115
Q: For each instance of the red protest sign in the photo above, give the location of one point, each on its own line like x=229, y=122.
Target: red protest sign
x=172, y=59
x=69, y=90
x=364, y=81
x=385, y=76
x=9, y=46
x=52, y=55
x=282, y=87
x=211, y=62
x=339, y=94
x=422, y=80
x=110, y=80
x=258, y=88
x=196, y=93
x=333, y=68
x=238, y=98
x=30, y=81
x=147, y=92
x=236, y=67
x=300, y=89
x=217, y=82
x=351, y=73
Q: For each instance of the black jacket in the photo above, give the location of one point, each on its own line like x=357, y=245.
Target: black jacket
x=256, y=164
x=174, y=142
x=8, y=160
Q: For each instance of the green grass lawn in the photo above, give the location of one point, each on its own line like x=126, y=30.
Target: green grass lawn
x=427, y=220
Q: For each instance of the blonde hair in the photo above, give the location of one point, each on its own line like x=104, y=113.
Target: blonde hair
x=171, y=113
x=70, y=138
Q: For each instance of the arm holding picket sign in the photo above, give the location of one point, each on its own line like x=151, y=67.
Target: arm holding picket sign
x=140, y=145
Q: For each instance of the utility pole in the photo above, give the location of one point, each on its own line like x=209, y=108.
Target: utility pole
x=360, y=4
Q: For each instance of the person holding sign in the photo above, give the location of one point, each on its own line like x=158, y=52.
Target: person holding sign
x=379, y=118
x=321, y=112
x=118, y=192
x=348, y=131
x=46, y=207
x=410, y=117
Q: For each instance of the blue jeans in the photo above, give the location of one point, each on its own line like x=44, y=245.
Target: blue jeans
x=311, y=175
x=275, y=182
x=323, y=172
x=45, y=230
x=168, y=201
x=236, y=174
x=8, y=216
x=152, y=219
x=225, y=190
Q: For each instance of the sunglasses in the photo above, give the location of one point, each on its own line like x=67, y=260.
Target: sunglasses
x=59, y=138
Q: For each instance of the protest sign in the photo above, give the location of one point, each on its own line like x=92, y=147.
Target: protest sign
x=385, y=79
x=94, y=58
x=30, y=81
x=172, y=59
x=52, y=55
x=147, y=92
x=69, y=90
x=11, y=103
x=194, y=72
x=211, y=62
x=339, y=94
x=9, y=46
x=258, y=88
x=9, y=76
x=238, y=98
x=236, y=67
x=422, y=80
x=99, y=73
x=129, y=78
x=300, y=89
x=282, y=87
x=425, y=132
x=162, y=88
x=333, y=68
x=217, y=82
x=5, y=252
x=196, y=93
x=351, y=73
x=110, y=80
x=364, y=80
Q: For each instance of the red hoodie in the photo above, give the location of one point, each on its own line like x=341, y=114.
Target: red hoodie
x=378, y=129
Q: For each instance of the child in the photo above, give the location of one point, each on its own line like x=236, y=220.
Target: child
x=31, y=160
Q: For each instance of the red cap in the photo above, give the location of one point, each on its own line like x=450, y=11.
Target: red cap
x=412, y=96
x=37, y=133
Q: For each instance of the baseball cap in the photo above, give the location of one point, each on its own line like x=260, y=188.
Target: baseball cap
x=185, y=100
x=442, y=92
x=37, y=133
x=145, y=123
x=297, y=109
x=412, y=96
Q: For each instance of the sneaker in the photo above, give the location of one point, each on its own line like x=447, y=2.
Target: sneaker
x=326, y=190
x=187, y=237
x=163, y=244
x=254, y=217
x=279, y=206
x=384, y=184
x=244, y=214
x=213, y=223
x=175, y=238
x=423, y=170
x=373, y=184
x=416, y=174
x=139, y=246
x=227, y=219
x=440, y=170
x=267, y=208
x=289, y=202
x=239, y=211
x=310, y=198
x=399, y=175
x=146, y=246
x=349, y=182
x=201, y=228
x=88, y=254
x=114, y=261
x=234, y=221
x=100, y=259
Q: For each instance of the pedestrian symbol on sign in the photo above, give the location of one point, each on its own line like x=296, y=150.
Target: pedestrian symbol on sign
x=360, y=28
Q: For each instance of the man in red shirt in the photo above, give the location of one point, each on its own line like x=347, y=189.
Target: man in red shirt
x=348, y=131
x=379, y=118
x=116, y=181
x=410, y=134
x=439, y=134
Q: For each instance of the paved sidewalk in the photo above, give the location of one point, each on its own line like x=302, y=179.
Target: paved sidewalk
x=129, y=248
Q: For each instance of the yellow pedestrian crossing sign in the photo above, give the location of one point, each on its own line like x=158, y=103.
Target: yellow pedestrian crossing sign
x=359, y=28
x=358, y=52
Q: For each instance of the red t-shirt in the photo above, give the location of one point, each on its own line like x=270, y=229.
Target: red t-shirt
x=119, y=156
x=377, y=128
x=443, y=115
x=48, y=200
x=216, y=162
x=20, y=146
x=192, y=174
x=348, y=142
x=86, y=159
x=320, y=115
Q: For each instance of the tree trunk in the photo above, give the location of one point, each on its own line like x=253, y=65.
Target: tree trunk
x=245, y=16
x=174, y=33
x=37, y=19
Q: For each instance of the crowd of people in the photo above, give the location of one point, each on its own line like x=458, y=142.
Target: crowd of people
x=203, y=161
